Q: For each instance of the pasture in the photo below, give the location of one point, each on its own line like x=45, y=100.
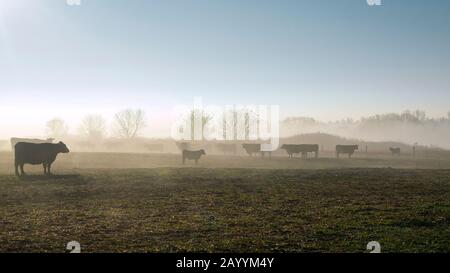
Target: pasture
x=151, y=203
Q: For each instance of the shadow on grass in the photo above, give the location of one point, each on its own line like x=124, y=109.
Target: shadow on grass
x=31, y=178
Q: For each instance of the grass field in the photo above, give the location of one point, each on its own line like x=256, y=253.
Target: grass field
x=150, y=203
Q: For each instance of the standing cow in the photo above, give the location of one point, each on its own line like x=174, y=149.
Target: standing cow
x=193, y=155
x=304, y=149
x=395, y=151
x=252, y=148
x=346, y=149
x=36, y=154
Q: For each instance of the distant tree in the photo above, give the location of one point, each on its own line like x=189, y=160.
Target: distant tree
x=57, y=128
x=224, y=126
x=128, y=123
x=251, y=118
x=93, y=126
x=420, y=115
x=448, y=115
x=204, y=118
x=235, y=124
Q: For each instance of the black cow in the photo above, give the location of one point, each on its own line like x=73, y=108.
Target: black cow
x=192, y=155
x=395, y=151
x=255, y=149
x=346, y=149
x=36, y=154
x=304, y=149
x=252, y=148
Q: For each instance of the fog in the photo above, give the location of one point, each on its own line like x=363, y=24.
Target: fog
x=131, y=131
x=409, y=127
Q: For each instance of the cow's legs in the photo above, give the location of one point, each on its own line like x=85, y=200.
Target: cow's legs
x=49, y=166
x=45, y=167
x=196, y=162
x=21, y=169
x=337, y=155
x=317, y=154
x=17, y=168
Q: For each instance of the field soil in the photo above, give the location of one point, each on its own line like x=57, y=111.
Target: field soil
x=151, y=203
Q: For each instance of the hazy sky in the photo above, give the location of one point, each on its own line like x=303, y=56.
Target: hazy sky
x=326, y=59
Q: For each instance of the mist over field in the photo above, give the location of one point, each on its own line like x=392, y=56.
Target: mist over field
x=406, y=127
x=224, y=126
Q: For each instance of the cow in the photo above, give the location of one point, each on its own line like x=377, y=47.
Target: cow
x=304, y=149
x=255, y=149
x=226, y=148
x=15, y=140
x=395, y=151
x=346, y=149
x=36, y=154
x=193, y=155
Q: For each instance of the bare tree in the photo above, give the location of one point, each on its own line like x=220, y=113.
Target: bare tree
x=93, y=126
x=251, y=119
x=57, y=128
x=239, y=122
x=128, y=123
x=204, y=119
x=448, y=114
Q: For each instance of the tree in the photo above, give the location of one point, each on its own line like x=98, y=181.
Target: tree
x=420, y=115
x=448, y=114
x=128, y=123
x=204, y=119
x=93, y=126
x=57, y=128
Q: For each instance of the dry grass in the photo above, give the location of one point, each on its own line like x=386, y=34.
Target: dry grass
x=206, y=209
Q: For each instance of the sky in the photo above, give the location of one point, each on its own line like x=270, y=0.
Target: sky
x=326, y=59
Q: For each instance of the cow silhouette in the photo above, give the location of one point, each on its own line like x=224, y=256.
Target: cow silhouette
x=36, y=154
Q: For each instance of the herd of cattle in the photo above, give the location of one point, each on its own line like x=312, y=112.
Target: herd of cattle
x=44, y=152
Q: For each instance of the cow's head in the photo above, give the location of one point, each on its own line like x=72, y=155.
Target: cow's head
x=202, y=152
x=63, y=148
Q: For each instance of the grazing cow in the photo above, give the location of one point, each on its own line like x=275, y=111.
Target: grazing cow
x=395, y=151
x=15, y=140
x=226, y=148
x=192, y=155
x=35, y=154
x=304, y=149
x=346, y=149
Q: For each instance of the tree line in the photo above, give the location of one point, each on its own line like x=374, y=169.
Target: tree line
x=126, y=124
